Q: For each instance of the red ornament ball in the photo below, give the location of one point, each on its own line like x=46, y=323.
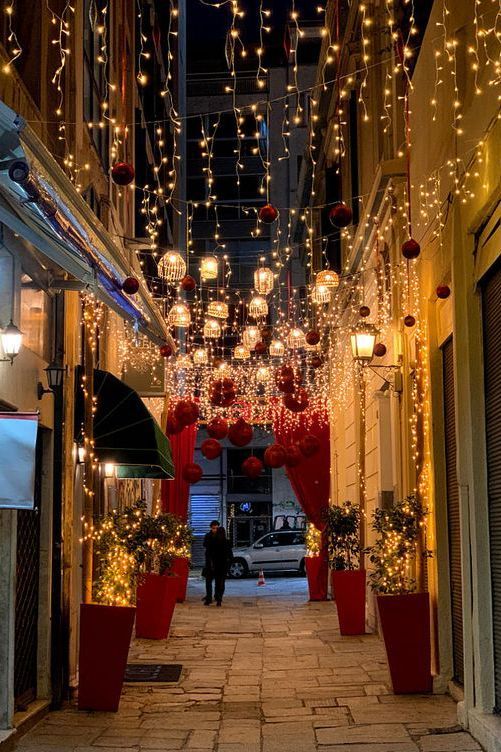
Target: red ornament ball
x=130, y=285
x=217, y=428
x=192, y=473
x=379, y=350
x=293, y=456
x=309, y=445
x=364, y=311
x=340, y=215
x=443, y=292
x=411, y=249
x=240, y=433
x=268, y=214
x=166, y=351
x=316, y=361
x=313, y=337
x=122, y=173
x=260, y=348
x=173, y=425
x=252, y=467
x=211, y=449
x=409, y=321
x=275, y=456
x=186, y=412
x=188, y=283
x=297, y=402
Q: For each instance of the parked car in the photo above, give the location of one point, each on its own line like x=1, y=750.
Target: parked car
x=280, y=551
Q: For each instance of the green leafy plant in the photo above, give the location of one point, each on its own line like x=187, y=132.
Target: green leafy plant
x=343, y=527
x=393, y=555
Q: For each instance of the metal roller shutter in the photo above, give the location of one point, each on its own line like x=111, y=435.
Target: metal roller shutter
x=453, y=515
x=203, y=509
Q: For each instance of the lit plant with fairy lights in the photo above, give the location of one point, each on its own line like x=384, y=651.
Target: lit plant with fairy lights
x=343, y=528
x=313, y=540
x=394, y=554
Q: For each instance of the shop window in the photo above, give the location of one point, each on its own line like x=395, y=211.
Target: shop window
x=95, y=87
x=35, y=318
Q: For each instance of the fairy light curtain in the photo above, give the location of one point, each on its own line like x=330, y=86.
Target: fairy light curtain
x=176, y=492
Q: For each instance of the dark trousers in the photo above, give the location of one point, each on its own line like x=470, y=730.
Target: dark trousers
x=219, y=582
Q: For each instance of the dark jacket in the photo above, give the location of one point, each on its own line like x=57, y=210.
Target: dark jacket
x=218, y=554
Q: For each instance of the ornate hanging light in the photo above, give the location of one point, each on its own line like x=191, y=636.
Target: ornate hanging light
x=263, y=280
x=296, y=339
x=262, y=374
x=277, y=348
x=321, y=294
x=251, y=336
x=209, y=267
x=258, y=307
x=327, y=278
x=217, y=309
x=172, y=267
x=184, y=361
x=200, y=357
x=241, y=352
x=212, y=329
x=179, y=315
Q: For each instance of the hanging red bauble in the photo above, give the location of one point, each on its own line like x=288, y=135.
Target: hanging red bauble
x=130, y=285
x=340, y=215
x=268, y=214
x=297, y=402
x=211, y=449
x=173, y=425
x=316, y=361
x=122, y=173
x=409, y=321
x=443, y=291
x=313, y=337
x=186, y=412
x=364, y=311
x=275, y=456
x=166, y=351
x=411, y=249
x=192, y=473
x=285, y=379
x=188, y=283
x=260, y=348
x=293, y=456
x=217, y=428
x=379, y=350
x=309, y=445
x=252, y=467
x=228, y=383
x=240, y=433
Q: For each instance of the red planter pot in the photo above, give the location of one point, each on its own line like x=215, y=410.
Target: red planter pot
x=181, y=567
x=105, y=635
x=405, y=624
x=156, y=600
x=348, y=588
x=317, y=572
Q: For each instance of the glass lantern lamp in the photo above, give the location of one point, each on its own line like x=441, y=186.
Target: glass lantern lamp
x=363, y=339
x=12, y=339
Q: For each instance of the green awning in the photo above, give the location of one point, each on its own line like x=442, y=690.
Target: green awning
x=125, y=432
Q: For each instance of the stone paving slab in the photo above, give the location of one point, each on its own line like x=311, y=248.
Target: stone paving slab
x=268, y=672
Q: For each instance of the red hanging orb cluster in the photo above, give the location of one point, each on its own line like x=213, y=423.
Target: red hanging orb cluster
x=411, y=249
x=122, y=173
x=252, y=467
x=223, y=392
x=309, y=445
x=275, y=456
x=192, y=473
x=217, y=428
x=130, y=285
x=340, y=215
x=240, y=433
x=211, y=449
x=298, y=401
x=268, y=214
x=188, y=283
x=293, y=456
x=186, y=412
x=286, y=379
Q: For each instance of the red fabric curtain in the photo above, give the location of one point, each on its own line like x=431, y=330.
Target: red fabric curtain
x=176, y=492
x=310, y=480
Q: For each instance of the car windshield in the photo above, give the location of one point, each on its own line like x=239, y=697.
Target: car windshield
x=282, y=539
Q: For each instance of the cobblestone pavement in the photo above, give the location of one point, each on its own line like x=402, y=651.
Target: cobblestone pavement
x=268, y=672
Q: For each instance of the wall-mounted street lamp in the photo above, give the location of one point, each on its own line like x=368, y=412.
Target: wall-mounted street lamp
x=55, y=377
x=363, y=339
x=12, y=339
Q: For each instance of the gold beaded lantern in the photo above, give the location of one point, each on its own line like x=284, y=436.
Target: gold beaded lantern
x=241, y=352
x=217, y=309
x=321, y=294
x=327, y=278
x=277, y=348
x=296, y=339
x=251, y=337
x=212, y=329
x=179, y=315
x=262, y=374
x=172, y=267
x=209, y=267
x=184, y=361
x=200, y=357
x=258, y=307
x=263, y=280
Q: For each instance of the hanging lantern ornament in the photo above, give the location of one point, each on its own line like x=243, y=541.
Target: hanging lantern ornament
x=327, y=278
x=276, y=349
x=409, y=321
x=296, y=339
x=122, y=173
x=217, y=309
x=252, y=467
x=209, y=267
x=212, y=329
x=297, y=402
x=262, y=375
x=130, y=285
x=251, y=336
x=165, y=351
x=380, y=350
x=263, y=280
x=217, y=428
x=188, y=283
x=240, y=433
x=309, y=445
x=321, y=294
x=179, y=315
x=411, y=249
x=313, y=337
x=186, y=412
x=340, y=215
x=275, y=456
x=211, y=449
x=364, y=311
x=172, y=267
x=258, y=307
x=184, y=362
x=443, y=292
x=200, y=357
x=268, y=214
x=241, y=352
x=192, y=473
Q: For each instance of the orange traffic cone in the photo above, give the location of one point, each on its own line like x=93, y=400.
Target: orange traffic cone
x=261, y=580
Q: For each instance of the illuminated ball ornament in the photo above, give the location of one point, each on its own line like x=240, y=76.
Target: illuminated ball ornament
x=252, y=467
x=275, y=456
x=411, y=249
x=166, y=351
x=200, y=357
x=217, y=309
x=263, y=280
x=211, y=449
x=409, y=321
x=380, y=350
x=172, y=267
x=296, y=339
x=313, y=337
x=276, y=349
x=179, y=315
x=340, y=215
x=364, y=311
x=258, y=307
x=309, y=445
x=217, y=428
x=327, y=278
x=297, y=402
x=186, y=412
x=443, y=292
x=240, y=433
x=130, y=285
x=188, y=283
x=122, y=173
x=212, y=329
x=268, y=214
x=209, y=268
x=241, y=352
x=293, y=456
x=192, y=473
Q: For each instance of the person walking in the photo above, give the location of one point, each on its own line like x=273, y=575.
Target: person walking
x=218, y=555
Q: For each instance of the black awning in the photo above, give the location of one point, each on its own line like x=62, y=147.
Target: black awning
x=125, y=432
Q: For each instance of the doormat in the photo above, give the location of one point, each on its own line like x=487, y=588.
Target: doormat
x=151, y=673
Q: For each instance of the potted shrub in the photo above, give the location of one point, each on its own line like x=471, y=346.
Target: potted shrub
x=181, y=550
x=106, y=625
x=404, y=613
x=347, y=579
x=316, y=564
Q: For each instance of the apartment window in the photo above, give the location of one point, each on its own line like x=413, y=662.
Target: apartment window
x=35, y=318
x=95, y=78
